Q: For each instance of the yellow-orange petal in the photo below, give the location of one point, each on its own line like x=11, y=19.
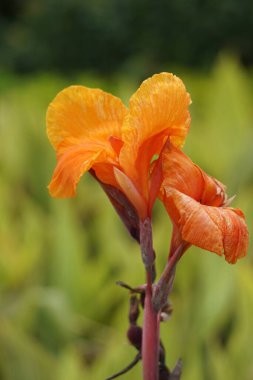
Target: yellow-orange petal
x=82, y=113
x=180, y=173
x=158, y=109
x=216, y=229
x=72, y=163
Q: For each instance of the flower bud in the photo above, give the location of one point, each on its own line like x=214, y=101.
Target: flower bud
x=134, y=335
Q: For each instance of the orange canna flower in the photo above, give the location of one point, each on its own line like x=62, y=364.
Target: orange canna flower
x=197, y=205
x=93, y=130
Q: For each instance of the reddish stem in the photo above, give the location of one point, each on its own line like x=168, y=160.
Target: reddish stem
x=151, y=324
x=150, y=338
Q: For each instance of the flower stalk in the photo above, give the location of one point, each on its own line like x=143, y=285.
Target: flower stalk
x=151, y=338
x=151, y=323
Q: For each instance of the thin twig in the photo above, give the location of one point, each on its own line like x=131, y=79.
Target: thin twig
x=125, y=370
x=139, y=289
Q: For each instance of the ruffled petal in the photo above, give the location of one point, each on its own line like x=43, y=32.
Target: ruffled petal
x=72, y=162
x=180, y=173
x=82, y=113
x=216, y=229
x=157, y=110
x=236, y=236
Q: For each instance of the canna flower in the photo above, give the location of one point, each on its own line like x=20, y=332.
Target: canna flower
x=92, y=130
x=198, y=207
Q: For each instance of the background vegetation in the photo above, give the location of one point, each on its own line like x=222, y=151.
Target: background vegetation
x=129, y=35
x=61, y=315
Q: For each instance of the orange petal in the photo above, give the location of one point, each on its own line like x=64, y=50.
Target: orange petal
x=83, y=113
x=157, y=110
x=73, y=162
x=216, y=229
x=180, y=173
x=236, y=236
x=105, y=173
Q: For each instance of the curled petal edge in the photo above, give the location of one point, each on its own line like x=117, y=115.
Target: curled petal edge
x=221, y=230
x=71, y=165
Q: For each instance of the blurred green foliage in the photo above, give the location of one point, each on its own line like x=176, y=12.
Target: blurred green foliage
x=105, y=36
x=61, y=315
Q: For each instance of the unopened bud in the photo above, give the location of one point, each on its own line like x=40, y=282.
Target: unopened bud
x=134, y=335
